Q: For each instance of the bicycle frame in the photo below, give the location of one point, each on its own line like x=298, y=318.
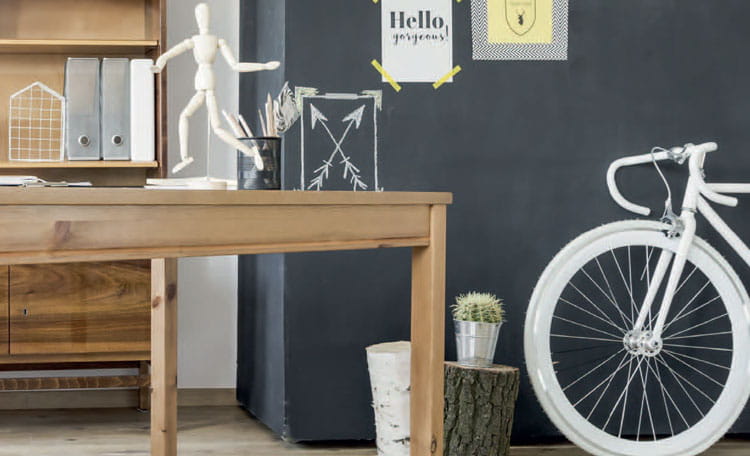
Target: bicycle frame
x=695, y=201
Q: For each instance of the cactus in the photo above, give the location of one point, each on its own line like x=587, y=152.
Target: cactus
x=479, y=307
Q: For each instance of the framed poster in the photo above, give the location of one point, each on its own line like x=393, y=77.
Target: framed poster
x=520, y=29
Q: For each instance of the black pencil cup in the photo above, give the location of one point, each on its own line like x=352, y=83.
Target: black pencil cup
x=248, y=176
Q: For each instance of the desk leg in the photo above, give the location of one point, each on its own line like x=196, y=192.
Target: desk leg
x=428, y=340
x=164, y=357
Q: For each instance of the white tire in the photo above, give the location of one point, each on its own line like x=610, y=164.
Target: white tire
x=595, y=438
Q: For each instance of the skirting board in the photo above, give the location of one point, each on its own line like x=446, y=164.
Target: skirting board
x=115, y=398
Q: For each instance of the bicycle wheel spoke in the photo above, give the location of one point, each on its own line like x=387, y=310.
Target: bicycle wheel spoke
x=608, y=321
x=624, y=282
x=630, y=282
x=644, y=399
x=700, y=347
x=585, y=338
x=679, y=412
x=722, y=333
x=595, y=368
x=679, y=287
x=624, y=317
x=617, y=404
x=676, y=375
x=657, y=374
x=721, y=385
x=682, y=387
x=695, y=296
x=624, y=404
x=697, y=326
x=593, y=304
x=585, y=326
x=674, y=320
x=604, y=391
x=696, y=359
x=622, y=364
x=649, y=251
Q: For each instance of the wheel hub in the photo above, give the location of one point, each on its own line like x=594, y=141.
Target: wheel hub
x=642, y=343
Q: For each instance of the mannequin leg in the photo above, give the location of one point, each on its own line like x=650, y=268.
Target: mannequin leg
x=213, y=113
x=184, y=129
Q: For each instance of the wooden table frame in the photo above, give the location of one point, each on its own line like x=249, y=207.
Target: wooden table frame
x=70, y=225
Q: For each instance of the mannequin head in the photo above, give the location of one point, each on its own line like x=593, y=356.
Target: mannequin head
x=202, y=17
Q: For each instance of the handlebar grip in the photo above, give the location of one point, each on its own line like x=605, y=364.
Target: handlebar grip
x=705, y=148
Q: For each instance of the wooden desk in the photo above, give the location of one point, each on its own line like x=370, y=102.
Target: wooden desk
x=69, y=224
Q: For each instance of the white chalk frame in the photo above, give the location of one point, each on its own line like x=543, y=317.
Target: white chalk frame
x=484, y=50
x=373, y=96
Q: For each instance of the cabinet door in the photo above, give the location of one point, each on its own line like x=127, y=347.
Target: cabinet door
x=4, y=310
x=80, y=308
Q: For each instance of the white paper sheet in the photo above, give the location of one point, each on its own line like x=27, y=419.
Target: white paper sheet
x=417, y=39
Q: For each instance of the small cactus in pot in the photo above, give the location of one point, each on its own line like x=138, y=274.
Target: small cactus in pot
x=477, y=318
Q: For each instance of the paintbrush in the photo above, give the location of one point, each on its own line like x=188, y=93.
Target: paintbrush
x=233, y=125
x=262, y=123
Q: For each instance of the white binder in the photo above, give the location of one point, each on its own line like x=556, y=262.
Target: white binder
x=115, y=109
x=82, y=109
x=142, y=118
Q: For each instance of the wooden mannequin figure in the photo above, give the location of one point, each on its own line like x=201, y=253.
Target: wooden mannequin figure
x=205, y=47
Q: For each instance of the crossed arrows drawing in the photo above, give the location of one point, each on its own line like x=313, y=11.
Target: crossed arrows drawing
x=351, y=172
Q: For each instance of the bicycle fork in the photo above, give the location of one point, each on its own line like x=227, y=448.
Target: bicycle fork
x=643, y=338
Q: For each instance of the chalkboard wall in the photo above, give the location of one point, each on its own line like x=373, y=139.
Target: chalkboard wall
x=523, y=146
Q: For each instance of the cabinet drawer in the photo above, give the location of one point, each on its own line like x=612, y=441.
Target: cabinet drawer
x=80, y=308
x=4, y=310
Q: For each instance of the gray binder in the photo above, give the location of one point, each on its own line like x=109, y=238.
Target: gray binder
x=115, y=93
x=82, y=109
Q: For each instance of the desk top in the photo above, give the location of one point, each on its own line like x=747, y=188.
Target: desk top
x=16, y=196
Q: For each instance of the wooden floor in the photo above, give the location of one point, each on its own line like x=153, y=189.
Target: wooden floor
x=213, y=431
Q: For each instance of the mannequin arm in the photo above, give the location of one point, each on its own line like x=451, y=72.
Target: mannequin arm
x=172, y=53
x=243, y=67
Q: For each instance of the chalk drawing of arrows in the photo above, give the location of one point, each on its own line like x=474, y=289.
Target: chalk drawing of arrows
x=351, y=172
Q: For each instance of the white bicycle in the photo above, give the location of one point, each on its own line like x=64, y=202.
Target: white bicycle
x=637, y=336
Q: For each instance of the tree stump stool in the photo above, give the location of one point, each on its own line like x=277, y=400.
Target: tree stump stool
x=479, y=406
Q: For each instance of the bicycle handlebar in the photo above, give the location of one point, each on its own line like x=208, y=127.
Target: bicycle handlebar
x=696, y=170
x=696, y=154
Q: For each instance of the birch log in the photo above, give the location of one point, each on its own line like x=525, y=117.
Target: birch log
x=479, y=406
x=390, y=373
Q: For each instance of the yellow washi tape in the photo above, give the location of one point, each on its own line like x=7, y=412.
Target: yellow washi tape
x=387, y=76
x=445, y=78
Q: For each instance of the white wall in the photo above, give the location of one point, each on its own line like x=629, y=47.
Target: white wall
x=207, y=289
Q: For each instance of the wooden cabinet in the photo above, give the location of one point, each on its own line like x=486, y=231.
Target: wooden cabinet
x=79, y=308
x=55, y=315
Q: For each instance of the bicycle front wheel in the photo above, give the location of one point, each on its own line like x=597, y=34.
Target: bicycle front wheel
x=613, y=397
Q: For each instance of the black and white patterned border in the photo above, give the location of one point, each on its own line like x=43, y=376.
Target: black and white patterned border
x=484, y=50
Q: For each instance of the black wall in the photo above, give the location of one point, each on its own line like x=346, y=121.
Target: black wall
x=523, y=146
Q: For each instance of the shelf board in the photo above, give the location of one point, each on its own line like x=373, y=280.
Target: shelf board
x=18, y=46
x=77, y=164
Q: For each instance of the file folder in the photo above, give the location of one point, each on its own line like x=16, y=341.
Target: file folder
x=115, y=109
x=142, y=118
x=82, y=109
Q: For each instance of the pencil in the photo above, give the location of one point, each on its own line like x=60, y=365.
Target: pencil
x=245, y=126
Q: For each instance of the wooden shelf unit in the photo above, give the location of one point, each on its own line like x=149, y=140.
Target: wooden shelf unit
x=78, y=164
x=36, y=38
x=73, y=313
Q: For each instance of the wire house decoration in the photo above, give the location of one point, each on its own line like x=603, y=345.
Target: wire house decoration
x=36, y=125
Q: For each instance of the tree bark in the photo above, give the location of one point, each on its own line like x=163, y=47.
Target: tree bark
x=479, y=406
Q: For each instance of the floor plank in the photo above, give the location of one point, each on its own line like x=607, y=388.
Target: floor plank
x=211, y=431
